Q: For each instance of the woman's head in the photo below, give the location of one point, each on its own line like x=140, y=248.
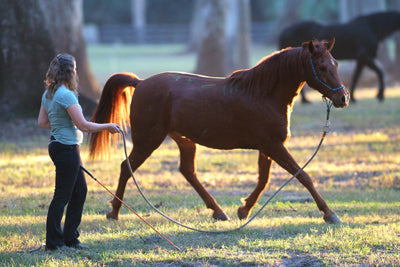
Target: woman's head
x=62, y=71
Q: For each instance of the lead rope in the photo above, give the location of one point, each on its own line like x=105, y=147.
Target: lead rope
x=325, y=131
x=140, y=217
x=43, y=245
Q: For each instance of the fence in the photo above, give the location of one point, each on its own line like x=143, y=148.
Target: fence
x=261, y=32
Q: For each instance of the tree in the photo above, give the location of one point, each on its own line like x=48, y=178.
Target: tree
x=289, y=15
x=222, y=27
x=238, y=37
x=138, y=14
x=343, y=8
x=197, y=25
x=244, y=40
x=64, y=21
x=211, y=59
x=26, y=52
x=31, y=34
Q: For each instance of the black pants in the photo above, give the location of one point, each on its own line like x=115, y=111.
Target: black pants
x=70, y=189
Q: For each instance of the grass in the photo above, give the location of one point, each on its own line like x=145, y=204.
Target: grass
x=147, y=60
x=357, y=172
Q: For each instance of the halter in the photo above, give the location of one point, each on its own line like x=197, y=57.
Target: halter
x=318, y=79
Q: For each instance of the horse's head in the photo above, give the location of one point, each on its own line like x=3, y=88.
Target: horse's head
x=321, y=72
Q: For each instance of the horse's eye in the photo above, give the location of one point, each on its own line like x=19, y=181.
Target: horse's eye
x=322, y=68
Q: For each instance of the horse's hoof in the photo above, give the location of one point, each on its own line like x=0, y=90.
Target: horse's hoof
x=241, y=214
x=332, y=219
x=110, y=216
x=221, y=216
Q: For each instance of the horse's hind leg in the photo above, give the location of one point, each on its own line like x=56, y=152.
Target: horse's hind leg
x=264, y=167
x=187, y=167
x=375, y=67
x=136, y=158
x=123, y=179
x=150, y=118
x=145, y=141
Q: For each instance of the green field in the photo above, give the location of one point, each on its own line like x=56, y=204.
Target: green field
x=147, y=60
x=357, y=171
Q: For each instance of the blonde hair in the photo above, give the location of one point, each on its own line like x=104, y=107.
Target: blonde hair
x=61, y=72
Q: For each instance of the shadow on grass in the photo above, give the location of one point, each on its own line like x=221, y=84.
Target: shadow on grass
x=128, y=241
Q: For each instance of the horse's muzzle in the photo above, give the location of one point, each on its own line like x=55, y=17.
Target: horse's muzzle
x=341, y=100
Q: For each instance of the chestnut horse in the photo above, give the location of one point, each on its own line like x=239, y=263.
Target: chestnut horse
x=250, y=109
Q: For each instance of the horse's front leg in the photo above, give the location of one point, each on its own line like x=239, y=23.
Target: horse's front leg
x=356, y=76
x=264, y=167
x=281, y=155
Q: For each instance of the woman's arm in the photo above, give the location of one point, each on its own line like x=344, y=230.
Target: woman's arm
x=75, y=112
x=43, y=119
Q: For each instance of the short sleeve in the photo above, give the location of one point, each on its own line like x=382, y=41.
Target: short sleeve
x=43, y=98
x=67, y=98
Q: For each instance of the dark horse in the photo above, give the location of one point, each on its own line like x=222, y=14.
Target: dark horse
x=357, y=39
x=250, y=109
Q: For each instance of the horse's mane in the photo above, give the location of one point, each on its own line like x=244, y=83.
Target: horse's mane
x=261, y=80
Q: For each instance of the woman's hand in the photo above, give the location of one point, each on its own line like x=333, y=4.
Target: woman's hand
x=75, y=112
x=114, y=128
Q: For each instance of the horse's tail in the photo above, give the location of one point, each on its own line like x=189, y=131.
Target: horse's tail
x=113, y=107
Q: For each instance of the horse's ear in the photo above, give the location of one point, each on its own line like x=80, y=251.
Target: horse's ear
x=330, y=44
x=310, y=46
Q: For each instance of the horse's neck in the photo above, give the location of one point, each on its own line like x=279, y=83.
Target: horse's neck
x=385, y=26
x=277, y=80
x=293, y=81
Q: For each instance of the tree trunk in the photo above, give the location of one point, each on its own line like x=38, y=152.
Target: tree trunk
x=238, y=34
x=197, y=25
x=211, y=59
x=344, y=15
x=64, y=21
x=289, y=15
x=138, y=14
x=244, y=34
x=26, y=51
x=31, y=34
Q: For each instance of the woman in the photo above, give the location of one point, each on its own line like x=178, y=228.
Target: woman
x=61, y=113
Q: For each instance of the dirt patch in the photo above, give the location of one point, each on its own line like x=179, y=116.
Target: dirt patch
x=300, y=261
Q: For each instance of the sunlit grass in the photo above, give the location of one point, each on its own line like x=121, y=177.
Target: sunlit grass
x=356, y=171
